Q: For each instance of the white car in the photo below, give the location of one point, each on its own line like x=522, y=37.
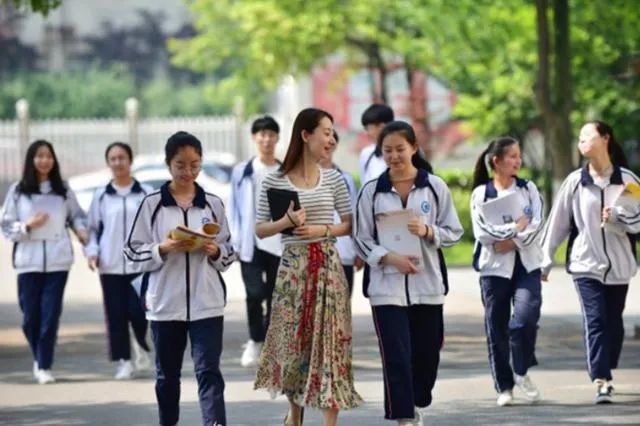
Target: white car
x=155, y=173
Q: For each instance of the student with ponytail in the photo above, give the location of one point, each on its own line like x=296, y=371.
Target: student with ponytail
x=407, y=296
x=508, y=257
x=601, y=250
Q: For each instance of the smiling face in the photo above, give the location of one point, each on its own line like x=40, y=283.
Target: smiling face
x=185, y=166
x=320, y=143
x=119, y=162
x=590, y=143
x=397, y=152
x=43, y=161
x=509, y=163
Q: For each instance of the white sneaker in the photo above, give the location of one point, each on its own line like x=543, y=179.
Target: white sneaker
x=44, y=377
x=610, y=386
x=124, y=371
x=142, y=360
x=505, y=398
x=603, y=392
x=251, y=354
x=527, y=387
x=418, y=419
x=35, y=370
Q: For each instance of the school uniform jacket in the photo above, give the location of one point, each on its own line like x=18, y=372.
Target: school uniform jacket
x=110, y=218
x=242, y=210
x=33, y=255
x=485, y=259
x=179, y=286
x=370, y=165
x=344, y=244
x=607, y=253
x=429, y=197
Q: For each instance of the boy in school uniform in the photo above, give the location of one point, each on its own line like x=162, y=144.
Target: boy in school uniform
x=371, y=162
x=259, y=258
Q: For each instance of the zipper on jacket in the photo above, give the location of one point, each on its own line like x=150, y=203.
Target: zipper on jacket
x=604, y=240
x=44, y=256
x=124, y=231
x=406, y=276
x=186, y=268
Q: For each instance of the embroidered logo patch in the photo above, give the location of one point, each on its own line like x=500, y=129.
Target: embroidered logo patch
x=425, y=206
x=528, y=211
x=205, y=220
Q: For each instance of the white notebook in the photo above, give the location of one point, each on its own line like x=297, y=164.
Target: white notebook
x=54, y=227
x=502, y=210
x=394, y=235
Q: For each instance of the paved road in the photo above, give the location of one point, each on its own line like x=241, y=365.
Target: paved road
x=86, y=395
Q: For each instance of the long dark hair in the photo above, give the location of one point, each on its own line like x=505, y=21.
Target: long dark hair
x=29, y=183
x=497, y=148
x=616, y=154
x=406, y=131
x=308, y=119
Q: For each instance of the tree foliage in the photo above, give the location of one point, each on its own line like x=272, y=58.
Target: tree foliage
x=100, y=93
x=38, y=6
x=485, y=50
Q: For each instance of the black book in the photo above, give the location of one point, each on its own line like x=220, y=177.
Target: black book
x=279, y=201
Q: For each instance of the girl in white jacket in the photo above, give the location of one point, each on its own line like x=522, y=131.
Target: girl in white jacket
x=110, y=216
x=185, y=293
x=35, y=216
x=508, y=256
x=407, y=294
x=601, y=252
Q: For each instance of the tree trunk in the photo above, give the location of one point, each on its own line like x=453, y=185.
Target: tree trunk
x=378, y=70
x=555, y=111
x=418, y=112
x=562, y=138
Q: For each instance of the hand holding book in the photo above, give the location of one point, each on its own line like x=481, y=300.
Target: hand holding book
x=627, y=197
x=183, y=239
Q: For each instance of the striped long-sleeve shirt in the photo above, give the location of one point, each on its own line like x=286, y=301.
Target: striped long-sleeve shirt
x=320, y=202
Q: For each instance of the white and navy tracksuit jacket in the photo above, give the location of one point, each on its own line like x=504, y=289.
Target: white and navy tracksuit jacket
x=110, y=219
x=242, y=210
x=181, y=286
x=371, y=166
x=485, y=259
x=345, y=245
x=30, y=255
x=606, y=254
x=430, y=197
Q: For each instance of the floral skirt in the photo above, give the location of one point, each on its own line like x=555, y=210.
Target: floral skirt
x=307, y=351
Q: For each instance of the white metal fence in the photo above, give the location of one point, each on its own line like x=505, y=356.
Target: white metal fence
x=80, y=143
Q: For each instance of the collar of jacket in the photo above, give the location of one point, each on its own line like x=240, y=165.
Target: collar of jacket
x=384, y=181
x=135, y=188
x=166, y=199
x=248, y=169
x=490, y=190
x=586, y=178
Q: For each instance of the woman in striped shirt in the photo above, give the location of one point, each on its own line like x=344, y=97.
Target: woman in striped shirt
x=307, y=351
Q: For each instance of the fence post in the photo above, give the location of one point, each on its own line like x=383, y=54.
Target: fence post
x=132, y=117
x=238, y=112
x=22, y=115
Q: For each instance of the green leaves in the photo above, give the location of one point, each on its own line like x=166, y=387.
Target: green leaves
x=40, y=6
